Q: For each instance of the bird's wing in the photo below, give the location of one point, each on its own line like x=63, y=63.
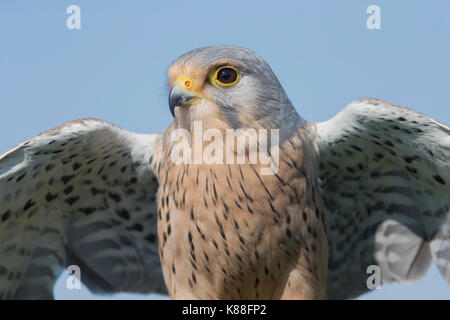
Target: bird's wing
x=81, y=194
x=385, y=174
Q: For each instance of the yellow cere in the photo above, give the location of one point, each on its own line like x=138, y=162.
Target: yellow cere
x=187, y=82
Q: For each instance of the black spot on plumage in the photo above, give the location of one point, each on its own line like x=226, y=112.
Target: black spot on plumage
x=124, y=214
x=288, y=232
x=66, y=179
x=439, y=179
x=87, y=211
x=255, y=285
x=21, y=177
x=133, y=180
x=29, y=204
x=226, y=207
x=388, y=143
x=99, y=172
x=375, y=142
x=374, y=174
x=68, y=190
x=151, y=238
x=192, y=214
x=357, y=148
x=411, y=169
x=215, y=192
x=70, y=201
x=116, y=197
x=136, y=227
x=379, y=155
x=50, y=197
x=96, y=191
x=409, y=159
x=6, y=215
x=273, y=209
x=305, y=217
x=112, y=164
x=76, y=166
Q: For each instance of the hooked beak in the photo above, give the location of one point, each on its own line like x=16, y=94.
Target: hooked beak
x=179, y=96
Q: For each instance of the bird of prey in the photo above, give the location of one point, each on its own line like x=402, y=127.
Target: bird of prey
x=370, y=187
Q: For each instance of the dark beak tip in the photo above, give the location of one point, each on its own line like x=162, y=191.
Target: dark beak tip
x=174, y=100
x=178, y=98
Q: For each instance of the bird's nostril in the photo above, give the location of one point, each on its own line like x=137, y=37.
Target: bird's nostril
x=187, y=84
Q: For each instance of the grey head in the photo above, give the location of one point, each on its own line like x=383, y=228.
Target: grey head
x=256, y=99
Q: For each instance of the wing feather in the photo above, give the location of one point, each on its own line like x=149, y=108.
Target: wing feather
x=82, y=193
x=385, y=174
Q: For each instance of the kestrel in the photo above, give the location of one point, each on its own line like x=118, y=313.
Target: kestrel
x=370, y=187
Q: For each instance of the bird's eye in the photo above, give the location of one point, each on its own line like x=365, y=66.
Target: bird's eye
x=225, y=76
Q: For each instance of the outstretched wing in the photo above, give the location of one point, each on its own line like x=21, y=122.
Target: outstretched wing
x=82, y=194
x=385, y=174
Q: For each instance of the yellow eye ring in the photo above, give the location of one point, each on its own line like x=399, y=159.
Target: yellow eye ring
x=225, y=76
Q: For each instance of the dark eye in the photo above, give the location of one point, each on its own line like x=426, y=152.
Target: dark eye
x=227, y=76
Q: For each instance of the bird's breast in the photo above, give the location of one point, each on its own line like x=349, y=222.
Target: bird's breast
x=228, y=232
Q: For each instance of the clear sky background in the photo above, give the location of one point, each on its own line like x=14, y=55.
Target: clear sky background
x=114, y=68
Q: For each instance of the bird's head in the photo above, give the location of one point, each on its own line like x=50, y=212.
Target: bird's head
x=227, y=86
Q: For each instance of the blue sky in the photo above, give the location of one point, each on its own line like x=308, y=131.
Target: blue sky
x=114, y=68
